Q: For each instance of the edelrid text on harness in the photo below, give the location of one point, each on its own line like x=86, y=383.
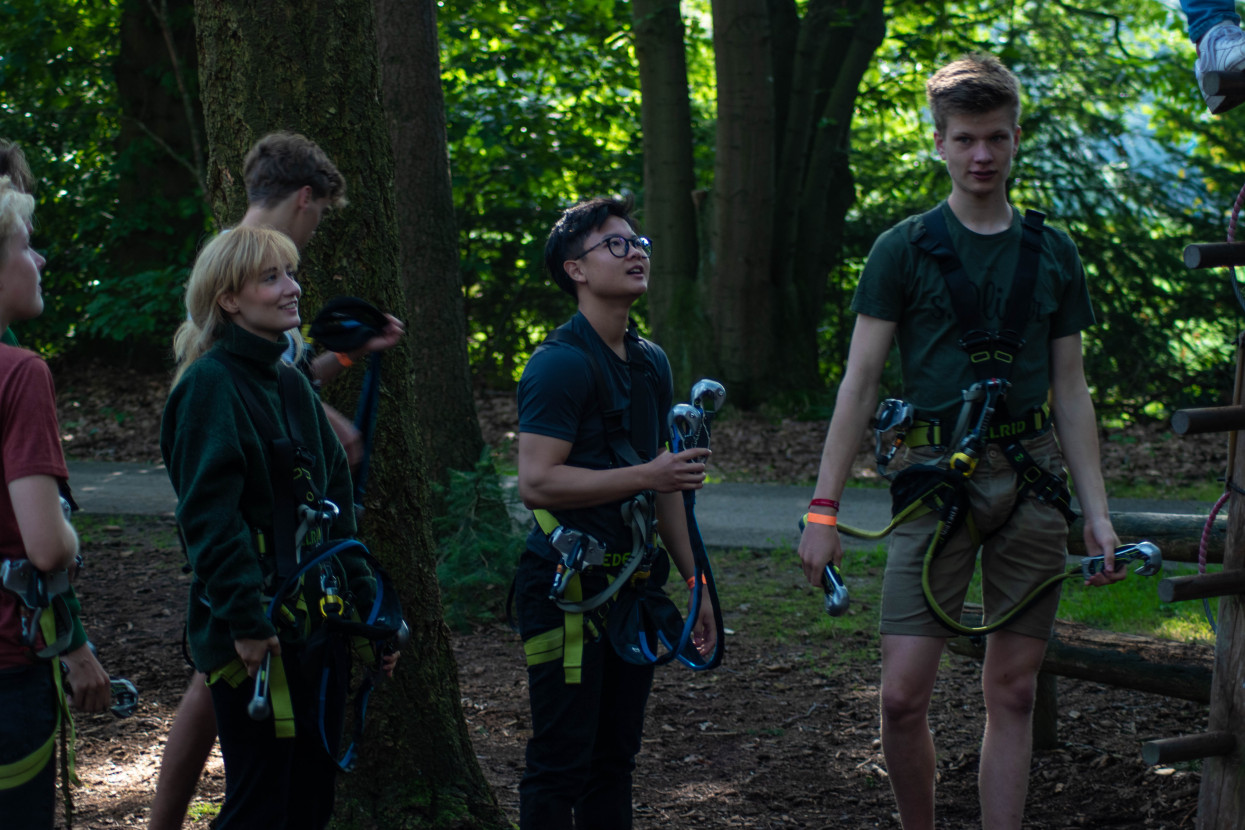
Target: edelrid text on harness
x=307, y=588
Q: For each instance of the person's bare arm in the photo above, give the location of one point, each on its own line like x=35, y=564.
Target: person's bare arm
x=547, y=481
x=50, y=541
x=854, y=405
x=1077, y=428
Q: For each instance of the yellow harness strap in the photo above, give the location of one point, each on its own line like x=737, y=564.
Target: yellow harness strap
x=20, y=771
x=548, y=524
x=927, y=433
x=235, y=672
x=565, y=643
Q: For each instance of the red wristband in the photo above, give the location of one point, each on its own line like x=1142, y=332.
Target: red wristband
x=831, y=503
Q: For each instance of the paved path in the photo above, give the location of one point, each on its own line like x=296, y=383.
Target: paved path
x=757, y=516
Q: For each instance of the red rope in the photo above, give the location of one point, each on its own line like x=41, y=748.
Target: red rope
x=1210, y=523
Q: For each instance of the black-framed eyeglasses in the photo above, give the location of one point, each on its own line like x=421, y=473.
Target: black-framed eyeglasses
x=620, y=246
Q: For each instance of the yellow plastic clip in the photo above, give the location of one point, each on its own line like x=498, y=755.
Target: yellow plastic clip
x=963, y=463
x=331, y=605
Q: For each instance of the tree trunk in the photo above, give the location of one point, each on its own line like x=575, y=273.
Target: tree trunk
x=160, y=138
x=436, y=322
x=741, y=298
x=311, y=66
x=782, y=184
x=675, y=300
x=837, y=42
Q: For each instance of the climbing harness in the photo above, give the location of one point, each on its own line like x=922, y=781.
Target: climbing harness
x=640, y=618
x=307, y=590
x=940, y=485
x=45, y=610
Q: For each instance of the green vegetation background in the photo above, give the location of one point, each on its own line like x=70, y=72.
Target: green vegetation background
x=543, y=106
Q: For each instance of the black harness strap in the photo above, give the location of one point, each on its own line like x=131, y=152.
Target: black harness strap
x=615, y=430
x=1038, y=482
x=991, y=353
x=289, y=452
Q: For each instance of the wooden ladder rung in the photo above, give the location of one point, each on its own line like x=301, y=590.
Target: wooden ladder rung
x=1208, y=419
x=1223, y=83
x=1214, y=254
x=1202, y=586
x=1187, y=748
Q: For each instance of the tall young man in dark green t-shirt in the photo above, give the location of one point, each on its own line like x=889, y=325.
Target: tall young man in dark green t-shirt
x=903, y=297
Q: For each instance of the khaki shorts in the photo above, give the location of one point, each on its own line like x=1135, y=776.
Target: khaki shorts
x=1022, y=548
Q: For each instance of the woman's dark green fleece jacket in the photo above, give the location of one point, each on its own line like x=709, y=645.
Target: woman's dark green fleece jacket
x=219, y=466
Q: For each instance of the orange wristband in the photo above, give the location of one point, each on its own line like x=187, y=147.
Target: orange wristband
x=820, y=519
x=344, y=359
x=691, y=581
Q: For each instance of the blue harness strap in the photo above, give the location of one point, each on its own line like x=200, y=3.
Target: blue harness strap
x=365, y=421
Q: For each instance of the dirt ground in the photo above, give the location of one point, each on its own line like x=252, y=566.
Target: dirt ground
x=773, y=739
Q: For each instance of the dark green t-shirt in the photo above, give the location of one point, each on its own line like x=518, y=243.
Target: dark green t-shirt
x=901, y=283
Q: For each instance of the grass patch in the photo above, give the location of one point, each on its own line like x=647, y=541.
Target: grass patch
x=92, y=528
x=764, y=596
x=1133, y=607
x=1201, y=491
x=203, y=810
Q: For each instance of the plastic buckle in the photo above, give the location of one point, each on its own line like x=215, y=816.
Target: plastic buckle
x=331, y=603
x=963, y=463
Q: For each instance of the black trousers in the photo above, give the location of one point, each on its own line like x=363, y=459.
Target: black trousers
x=271, y=782
x=28, y=699
x=585, y=736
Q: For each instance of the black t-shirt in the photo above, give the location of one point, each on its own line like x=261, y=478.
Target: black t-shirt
x=558, y=398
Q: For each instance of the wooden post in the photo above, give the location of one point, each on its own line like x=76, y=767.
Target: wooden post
x=1221, y=800
x=1045, y=727
x=1209, y=419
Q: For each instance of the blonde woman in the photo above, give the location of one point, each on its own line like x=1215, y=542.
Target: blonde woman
x=243, y=307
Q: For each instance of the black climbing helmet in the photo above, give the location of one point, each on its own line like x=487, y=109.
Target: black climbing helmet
x=345, y=324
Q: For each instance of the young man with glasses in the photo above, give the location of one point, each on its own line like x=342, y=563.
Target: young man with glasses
x=587, y=702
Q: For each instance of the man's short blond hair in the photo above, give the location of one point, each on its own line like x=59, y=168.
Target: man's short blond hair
x=971, y=85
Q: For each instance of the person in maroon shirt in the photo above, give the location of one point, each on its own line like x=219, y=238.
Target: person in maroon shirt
x=32, y=528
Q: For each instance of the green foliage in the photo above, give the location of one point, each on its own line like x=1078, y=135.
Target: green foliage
x=1119, y=152
x=150, y=313
x=477, y=553
x=59, y=102
x=543, y=107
